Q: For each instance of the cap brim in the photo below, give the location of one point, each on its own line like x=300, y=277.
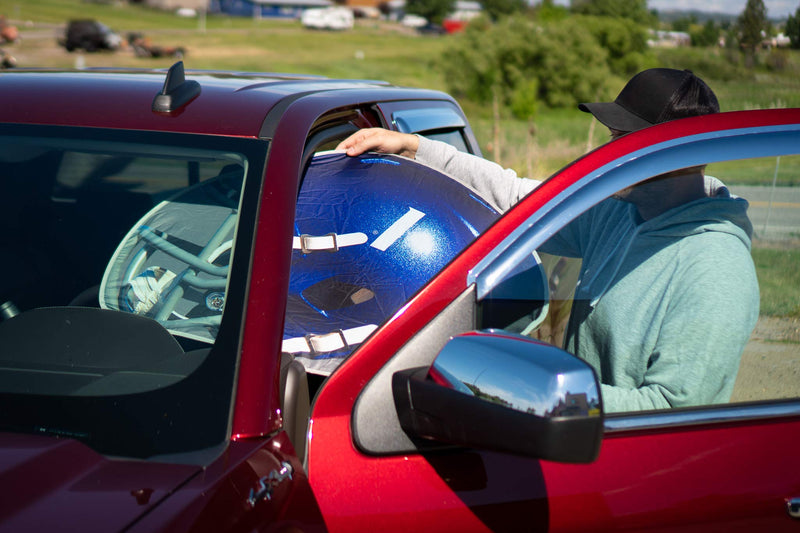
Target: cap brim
x=614, y=116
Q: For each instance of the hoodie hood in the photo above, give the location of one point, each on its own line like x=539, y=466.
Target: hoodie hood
x=719, y=212
x=53, y=484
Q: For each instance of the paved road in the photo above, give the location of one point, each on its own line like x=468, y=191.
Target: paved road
x=775, y=212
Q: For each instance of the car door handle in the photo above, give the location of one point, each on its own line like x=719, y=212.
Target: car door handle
x=793, y=507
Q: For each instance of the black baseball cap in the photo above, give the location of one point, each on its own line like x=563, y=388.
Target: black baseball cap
x=654, y=96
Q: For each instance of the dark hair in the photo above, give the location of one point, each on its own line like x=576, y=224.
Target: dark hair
x=692, y=98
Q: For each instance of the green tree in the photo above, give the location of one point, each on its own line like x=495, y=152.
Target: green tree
x=524, y=99
x=561, y=61
x=793, y=29
x=752, y=24
x=623, y=39
x=548, y=10
x=433, y=10
x=708, y=35
x=684, y=23
x=635, y=10
x=496, y=9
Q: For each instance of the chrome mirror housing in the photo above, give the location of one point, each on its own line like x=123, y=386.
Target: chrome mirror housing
x=499, y=391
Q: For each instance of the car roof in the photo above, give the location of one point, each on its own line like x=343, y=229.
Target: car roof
x=229, y=103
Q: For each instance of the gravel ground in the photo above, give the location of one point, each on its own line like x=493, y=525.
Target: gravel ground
x=770, y=366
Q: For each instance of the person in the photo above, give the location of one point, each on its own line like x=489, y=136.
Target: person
x=667, y=295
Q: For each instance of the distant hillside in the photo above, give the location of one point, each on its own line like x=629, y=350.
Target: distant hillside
x=703, y=16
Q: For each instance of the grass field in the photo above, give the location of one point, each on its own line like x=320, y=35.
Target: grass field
x=778, y=280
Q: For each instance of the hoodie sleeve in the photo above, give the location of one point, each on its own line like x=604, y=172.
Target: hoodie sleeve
x=501, y=187
x=712, y=313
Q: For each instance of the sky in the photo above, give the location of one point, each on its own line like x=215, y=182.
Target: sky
x=775, y=8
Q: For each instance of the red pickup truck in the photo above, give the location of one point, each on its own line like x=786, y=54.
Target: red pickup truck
x=213, y=323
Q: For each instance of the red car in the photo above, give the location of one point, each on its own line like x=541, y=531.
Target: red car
x=183, y=347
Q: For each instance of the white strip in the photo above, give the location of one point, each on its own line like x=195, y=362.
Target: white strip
x=328, y=342
x=332, y=241
x=397, y=230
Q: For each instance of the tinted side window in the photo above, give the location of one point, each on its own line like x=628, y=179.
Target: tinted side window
x=335, y=127
x=698, y=304
x=454, y=137
x=437, y=123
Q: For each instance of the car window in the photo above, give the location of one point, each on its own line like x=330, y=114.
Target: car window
x=436, y=123
x=454, y=137
x=333, y=128
x=121, y=249
x=697, y=305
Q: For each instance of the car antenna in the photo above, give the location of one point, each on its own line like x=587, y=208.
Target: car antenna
x=177, y=91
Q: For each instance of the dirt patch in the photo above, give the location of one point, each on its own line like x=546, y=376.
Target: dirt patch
x=772, y=329
x=770, y=366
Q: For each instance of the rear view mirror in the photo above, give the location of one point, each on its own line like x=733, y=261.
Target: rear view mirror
x=497, y=391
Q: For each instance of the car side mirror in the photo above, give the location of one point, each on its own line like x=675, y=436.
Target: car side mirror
x=499, y=391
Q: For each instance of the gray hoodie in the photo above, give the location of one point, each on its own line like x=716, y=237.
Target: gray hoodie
x=663, y=307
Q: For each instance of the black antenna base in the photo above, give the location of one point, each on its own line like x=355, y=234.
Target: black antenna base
x=177, y=91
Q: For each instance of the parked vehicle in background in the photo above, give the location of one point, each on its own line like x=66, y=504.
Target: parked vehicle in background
x=328, y=18
x=8, y=32
x=195, y=332
x=7, y=60
x=413, y=21
x=143, y=47
x=90, y=35
x=431, y=29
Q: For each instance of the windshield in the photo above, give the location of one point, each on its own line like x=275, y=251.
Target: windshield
x=117, y=252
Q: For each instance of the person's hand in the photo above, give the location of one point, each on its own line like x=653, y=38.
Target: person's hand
x=380, y=140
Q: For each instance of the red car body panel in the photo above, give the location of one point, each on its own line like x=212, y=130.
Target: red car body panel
x=216, y=499
x=61, y=481
x=688, y=480
x=35, y=499
x=126, y=102
x=678, y=486
x=227, y=105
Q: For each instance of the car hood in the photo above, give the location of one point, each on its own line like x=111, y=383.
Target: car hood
x=53, y=484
